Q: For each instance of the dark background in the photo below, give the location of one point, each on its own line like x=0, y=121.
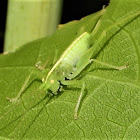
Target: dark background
x=72, y=10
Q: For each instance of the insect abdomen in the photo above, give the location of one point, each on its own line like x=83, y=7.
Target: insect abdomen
x=69, y=58
x=76, y=49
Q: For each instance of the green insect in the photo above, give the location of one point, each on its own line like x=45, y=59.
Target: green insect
x=72, y=62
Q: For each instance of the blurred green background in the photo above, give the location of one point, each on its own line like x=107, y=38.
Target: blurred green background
x=71, y=10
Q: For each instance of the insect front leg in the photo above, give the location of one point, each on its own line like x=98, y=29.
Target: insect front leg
x=43, y=66
x=27, y=82
x=73, y=82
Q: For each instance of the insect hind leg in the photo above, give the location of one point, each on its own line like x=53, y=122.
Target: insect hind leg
x=119, y=22
x=109, y=65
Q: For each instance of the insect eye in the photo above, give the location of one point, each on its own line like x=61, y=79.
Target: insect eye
x=51, y=81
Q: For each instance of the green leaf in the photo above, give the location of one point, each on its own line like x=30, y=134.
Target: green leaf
x=110, y=107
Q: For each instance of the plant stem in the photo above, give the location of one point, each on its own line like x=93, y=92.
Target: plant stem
x=28, y=20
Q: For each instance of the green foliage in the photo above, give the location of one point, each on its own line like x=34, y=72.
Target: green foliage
x=110, y=108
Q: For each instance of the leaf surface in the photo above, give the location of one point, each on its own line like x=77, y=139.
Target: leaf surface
x=110, y=107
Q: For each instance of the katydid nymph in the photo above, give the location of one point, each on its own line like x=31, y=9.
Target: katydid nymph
x=74, y=60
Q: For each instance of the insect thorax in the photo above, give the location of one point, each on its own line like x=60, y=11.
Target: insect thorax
x=57, y=76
